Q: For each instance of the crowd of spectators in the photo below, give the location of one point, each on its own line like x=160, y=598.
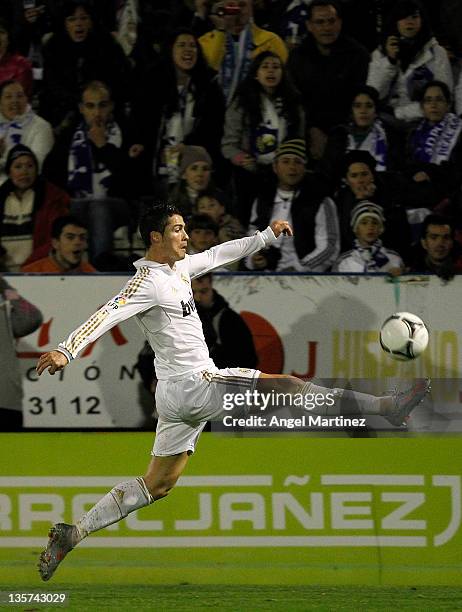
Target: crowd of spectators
x=341, y=116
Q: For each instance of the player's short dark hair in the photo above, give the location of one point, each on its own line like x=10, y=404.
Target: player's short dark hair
x=154, y=218
x=60, y=223
x=435, y=219
x=323, y=3
x=202, y=222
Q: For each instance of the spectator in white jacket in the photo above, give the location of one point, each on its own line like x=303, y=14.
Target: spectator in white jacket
x=20, y=125
x=368, y=254
x=409, y=57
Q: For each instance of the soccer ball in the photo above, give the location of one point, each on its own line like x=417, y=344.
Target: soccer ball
x=404, y=336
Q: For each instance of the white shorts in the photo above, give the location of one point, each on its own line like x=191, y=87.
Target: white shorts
x=184, y=406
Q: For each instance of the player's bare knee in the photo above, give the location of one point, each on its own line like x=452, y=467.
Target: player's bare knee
x=159, y=489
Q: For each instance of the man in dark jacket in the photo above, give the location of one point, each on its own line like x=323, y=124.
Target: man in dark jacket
x=437, y=253
x=94, y=164
x=327, y=69
x=228, y=338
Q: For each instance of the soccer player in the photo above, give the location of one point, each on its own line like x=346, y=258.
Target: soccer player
x=191, y=388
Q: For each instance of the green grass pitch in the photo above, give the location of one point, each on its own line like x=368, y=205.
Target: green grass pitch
x=129, y=580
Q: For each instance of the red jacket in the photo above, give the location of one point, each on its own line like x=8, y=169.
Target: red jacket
x=17, y=67
x=50, y=202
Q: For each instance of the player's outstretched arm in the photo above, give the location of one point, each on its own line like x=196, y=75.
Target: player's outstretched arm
x=234, y=250
x=53, y=360
x=138, y=295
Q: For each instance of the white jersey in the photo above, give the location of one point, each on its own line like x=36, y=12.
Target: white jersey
x=161, y=300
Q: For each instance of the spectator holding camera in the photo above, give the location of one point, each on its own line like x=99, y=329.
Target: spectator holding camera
x=408, y=58
x=235, y=42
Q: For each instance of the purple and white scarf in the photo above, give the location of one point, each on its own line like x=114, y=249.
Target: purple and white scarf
x=373, y=256
x=84, y=174
x=434, y=143
x=11, y=130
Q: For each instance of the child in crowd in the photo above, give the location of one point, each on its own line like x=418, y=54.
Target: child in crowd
x=212, y=203
x=195, y=171
x=203, y=234
x=368, y=254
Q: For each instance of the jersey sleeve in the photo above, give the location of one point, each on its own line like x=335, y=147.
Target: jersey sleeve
x=228, y=252
x=138, y=295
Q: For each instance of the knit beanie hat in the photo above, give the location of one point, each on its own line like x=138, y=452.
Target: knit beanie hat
x=366, y=209
x=296, y=146
x=191, y=155
x=18, y=151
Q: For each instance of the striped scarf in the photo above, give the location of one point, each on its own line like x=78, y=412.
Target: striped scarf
x=82, y=168
x=373, y=256
x=434, y=143
x=11, y=129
